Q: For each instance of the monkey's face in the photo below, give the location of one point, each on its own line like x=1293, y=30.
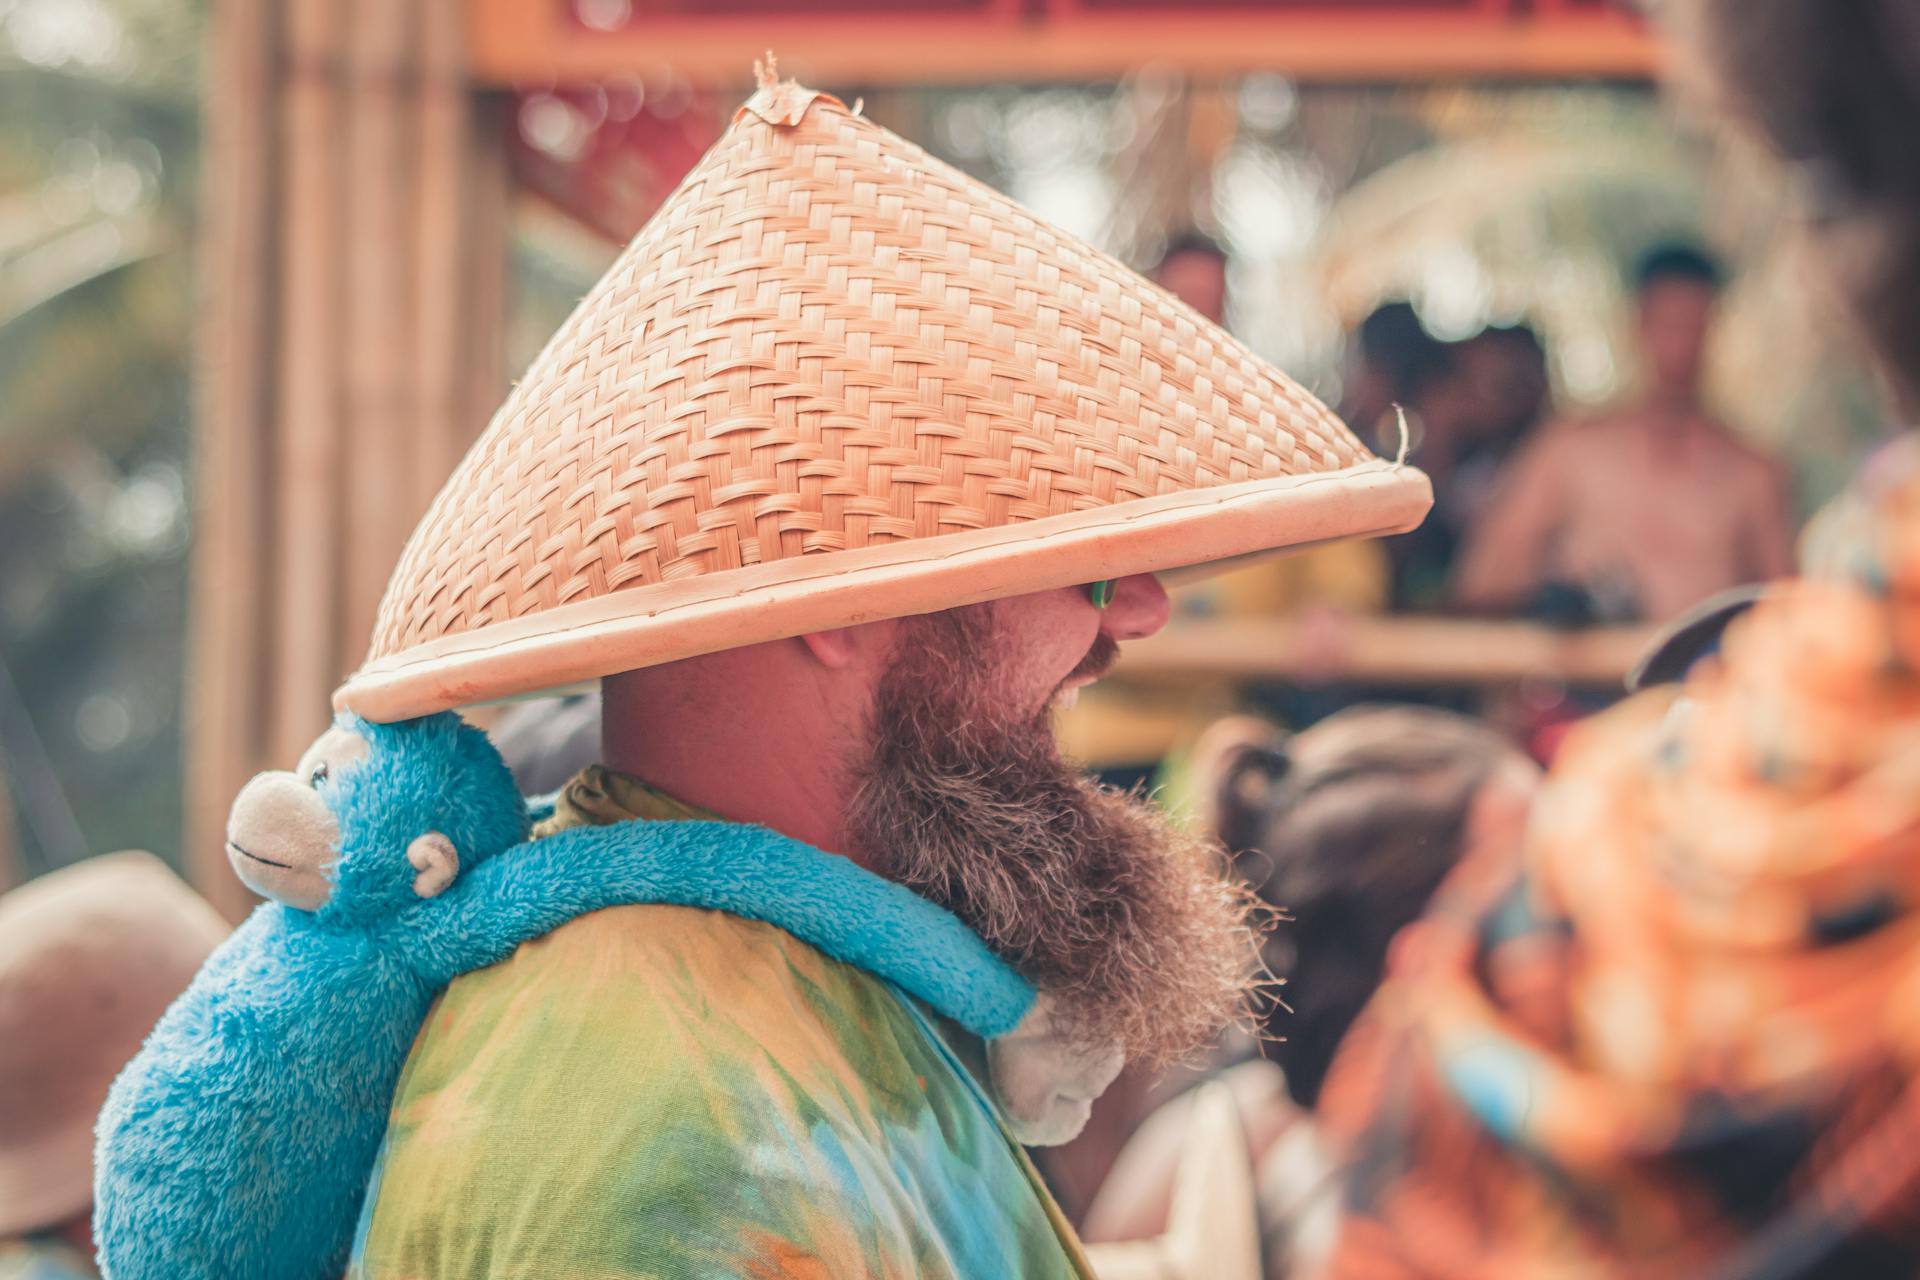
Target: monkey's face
x=281, y=836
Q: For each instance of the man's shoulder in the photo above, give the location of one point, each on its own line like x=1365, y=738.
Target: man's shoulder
x=632, y=980
x=636, y=1061
x=616, y=944
x=660, y=1090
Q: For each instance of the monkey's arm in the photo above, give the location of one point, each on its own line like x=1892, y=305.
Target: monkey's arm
x=824, y=900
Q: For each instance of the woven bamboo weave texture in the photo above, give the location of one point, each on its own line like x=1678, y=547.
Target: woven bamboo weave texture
x=827, y=339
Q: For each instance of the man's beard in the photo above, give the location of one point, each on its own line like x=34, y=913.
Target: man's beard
x=1093, y=895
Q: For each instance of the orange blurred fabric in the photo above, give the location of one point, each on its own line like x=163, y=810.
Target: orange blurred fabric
x=1673, y=1030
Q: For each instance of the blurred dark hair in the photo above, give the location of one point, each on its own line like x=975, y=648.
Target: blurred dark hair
x=1191, y=242
x=1393, y=340
x=1677, y=261
x=1349, y=827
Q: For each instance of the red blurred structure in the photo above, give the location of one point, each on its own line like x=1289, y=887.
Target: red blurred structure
x=932, y=41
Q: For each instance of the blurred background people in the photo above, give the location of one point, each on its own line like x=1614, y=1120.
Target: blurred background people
x=90, y=957
x=1671, y=1030
x=1348, y=827
x=1636, y=514
x=1470, y=405
x=1509, y=393
x=1506, y=371
x=1193, y=268
x=1391, y=360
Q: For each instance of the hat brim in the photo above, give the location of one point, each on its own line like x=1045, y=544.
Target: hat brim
x=1690, y=637
x=663, y=622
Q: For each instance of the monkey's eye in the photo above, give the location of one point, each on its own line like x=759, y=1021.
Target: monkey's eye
x=318, y=776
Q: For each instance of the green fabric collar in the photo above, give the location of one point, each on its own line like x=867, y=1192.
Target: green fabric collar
x=599, y=797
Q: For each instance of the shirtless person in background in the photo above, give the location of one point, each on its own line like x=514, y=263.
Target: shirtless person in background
x=1644, y=511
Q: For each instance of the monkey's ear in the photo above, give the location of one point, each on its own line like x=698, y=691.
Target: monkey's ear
x=437, y=861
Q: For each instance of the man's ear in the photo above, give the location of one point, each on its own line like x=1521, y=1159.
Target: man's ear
x=437, y=861
x=846, y=647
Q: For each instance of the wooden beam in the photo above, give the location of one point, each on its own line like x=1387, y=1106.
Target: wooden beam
x=1166, y=688
x=1404, y=652
x=520, y=43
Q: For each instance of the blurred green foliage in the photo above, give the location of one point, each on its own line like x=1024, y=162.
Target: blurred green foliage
x=99, y=136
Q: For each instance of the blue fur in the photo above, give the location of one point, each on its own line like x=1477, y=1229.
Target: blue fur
x=240, y=1139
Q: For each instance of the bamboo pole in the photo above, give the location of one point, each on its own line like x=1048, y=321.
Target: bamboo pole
x=353, y=259
x=227, y=660
x=380, y=392
x=484, y=381
x=439, y=260
x=308, y=555
x=12, y=871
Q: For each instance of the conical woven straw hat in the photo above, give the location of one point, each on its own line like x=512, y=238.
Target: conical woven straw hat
x=832, y=380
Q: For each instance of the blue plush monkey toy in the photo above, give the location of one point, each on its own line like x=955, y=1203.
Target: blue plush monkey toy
x=240, y=1140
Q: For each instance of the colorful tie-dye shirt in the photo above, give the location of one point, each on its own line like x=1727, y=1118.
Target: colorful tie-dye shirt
x=42, y=1257
x=665, y=1091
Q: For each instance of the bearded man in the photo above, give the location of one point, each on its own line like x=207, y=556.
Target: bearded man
x=842, y=480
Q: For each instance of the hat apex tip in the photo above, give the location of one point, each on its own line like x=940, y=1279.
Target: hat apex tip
x=777, y=101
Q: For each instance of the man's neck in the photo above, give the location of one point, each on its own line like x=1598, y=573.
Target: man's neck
x=703, y=733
